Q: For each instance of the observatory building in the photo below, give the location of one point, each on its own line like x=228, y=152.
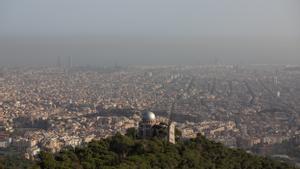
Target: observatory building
x=151, y=127
x=147, y=124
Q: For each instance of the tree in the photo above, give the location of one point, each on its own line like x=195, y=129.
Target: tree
x=47, y=160
x=132, y=133
x=121, y=145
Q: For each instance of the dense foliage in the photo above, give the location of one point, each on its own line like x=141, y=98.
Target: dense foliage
x=16, y=162
x=127, y=152
x=290, y=148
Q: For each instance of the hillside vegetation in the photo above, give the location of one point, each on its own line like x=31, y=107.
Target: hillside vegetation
x=127, y=152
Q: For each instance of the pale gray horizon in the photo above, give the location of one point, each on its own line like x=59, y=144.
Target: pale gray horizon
x=35, y=32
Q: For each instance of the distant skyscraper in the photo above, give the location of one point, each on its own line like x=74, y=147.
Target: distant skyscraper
x=58, y=64
x=70, y=61
x=216, y=60
x=275, y=79
x=1, y=73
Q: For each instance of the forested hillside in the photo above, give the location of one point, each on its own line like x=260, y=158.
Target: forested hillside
x=127, y=152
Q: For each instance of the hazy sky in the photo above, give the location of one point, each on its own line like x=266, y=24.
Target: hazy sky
x=149, y=32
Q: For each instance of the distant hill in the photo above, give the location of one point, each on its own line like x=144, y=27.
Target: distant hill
x=127, y=152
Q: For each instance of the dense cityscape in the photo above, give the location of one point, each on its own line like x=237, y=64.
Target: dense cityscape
x=252, y=107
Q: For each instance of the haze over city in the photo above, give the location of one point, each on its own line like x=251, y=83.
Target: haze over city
x=164, y=84
x=149, y=33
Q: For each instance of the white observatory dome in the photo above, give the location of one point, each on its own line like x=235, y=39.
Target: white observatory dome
x=149, y=116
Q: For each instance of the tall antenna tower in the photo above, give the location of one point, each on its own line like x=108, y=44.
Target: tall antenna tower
x=171, y=125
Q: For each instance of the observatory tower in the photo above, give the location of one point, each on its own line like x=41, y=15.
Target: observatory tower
x=151, y=127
